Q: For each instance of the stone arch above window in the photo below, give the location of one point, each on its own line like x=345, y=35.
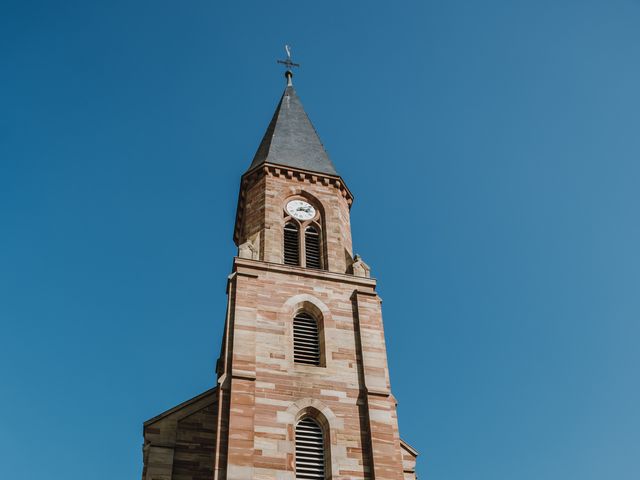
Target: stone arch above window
x=307, y=315
x=313, y=408
x=300, y=194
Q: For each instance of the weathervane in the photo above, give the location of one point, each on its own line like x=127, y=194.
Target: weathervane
x=289, y=64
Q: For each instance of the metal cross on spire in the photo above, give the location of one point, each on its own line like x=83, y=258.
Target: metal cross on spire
x=289, y=64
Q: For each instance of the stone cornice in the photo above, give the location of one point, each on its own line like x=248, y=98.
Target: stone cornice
x=245, y=266
x=303, y=175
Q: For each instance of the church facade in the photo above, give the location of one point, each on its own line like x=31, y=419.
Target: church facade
x=303, y=388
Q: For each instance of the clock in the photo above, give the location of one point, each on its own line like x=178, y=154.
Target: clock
x=301, y=210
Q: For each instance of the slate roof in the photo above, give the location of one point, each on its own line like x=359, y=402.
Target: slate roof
x=291, y=140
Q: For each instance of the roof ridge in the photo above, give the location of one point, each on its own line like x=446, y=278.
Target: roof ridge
x=180, y=406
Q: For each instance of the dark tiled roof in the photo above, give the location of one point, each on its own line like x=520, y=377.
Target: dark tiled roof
x=291, y=140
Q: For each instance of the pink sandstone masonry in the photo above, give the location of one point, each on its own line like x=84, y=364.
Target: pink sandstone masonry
x=245, y=427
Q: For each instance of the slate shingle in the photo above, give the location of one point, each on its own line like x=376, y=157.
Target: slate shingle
x=291, y=140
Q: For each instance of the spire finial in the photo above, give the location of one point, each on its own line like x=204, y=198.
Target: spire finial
x=289, y=64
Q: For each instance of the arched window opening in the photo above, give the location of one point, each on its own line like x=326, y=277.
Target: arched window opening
x=312, y=248
x=306, y=344
x=309, y=450
x=291, y=244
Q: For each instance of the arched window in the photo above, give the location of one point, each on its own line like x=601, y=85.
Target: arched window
x=291, y=244
x=306, y=344
x=302, y=240
x=309, y=450
x=312, y=247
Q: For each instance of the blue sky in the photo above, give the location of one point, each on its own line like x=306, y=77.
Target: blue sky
x=493, y=149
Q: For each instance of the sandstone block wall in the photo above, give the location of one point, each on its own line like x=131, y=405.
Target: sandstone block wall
x=245, y=429
x=179, y=444
x=268, y=392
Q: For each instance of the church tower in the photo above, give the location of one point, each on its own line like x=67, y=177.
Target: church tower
x=303, y=387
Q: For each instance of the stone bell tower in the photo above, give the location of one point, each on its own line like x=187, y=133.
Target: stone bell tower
x=303, y=387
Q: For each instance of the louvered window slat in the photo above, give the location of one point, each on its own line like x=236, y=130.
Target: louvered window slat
x=291, y=244
x=306, y=345
x=312, y=248
x=309, y=450
x=310, y=334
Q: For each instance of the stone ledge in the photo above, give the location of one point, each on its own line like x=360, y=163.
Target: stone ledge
x=378, y=393
x=243, y=374
x=241, y=263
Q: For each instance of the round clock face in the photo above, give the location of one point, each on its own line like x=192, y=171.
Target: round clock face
x=301, y=210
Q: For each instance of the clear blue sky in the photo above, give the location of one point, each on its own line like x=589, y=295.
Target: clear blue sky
x=494, y=152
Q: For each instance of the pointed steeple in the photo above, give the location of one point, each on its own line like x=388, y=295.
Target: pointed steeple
x=291, y=140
